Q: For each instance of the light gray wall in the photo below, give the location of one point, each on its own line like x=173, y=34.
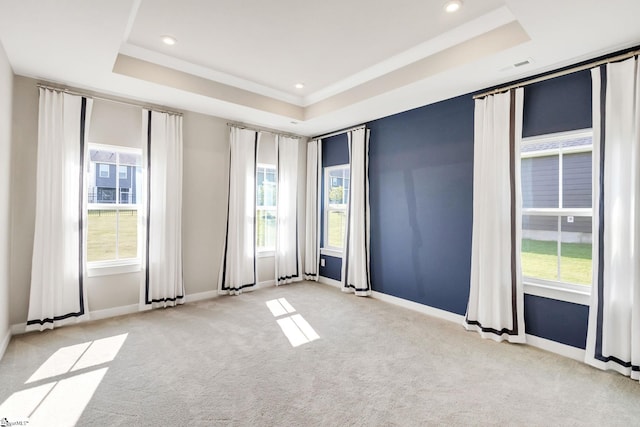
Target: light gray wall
x=205, y=187
x=206, y=163
x=23, y=200
x=6, y=89
x=204, y=199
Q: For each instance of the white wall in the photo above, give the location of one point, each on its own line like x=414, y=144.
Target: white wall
x=6, y=89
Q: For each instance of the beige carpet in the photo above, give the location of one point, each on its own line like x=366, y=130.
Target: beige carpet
x=227, y=362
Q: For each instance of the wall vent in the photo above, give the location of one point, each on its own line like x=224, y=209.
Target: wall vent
x=520, y=64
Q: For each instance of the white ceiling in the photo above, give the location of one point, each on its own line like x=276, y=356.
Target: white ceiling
x=359, y=59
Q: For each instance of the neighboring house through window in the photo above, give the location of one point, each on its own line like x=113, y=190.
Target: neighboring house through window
x=113, y=204
x=104, y=170
x=266, y=207
x=336, y=199
x=557, y=210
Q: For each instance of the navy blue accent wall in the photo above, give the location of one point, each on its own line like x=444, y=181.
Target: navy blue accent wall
x=558, y=105
x=332, y=267
x=421, y=194
x=335, y=150
x=555, y=320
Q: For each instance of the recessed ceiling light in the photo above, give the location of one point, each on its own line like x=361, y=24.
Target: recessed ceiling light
x=452, y=5
x=299, y=85
x=168, y=40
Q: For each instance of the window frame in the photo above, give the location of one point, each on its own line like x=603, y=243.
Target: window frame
x=326, y=248
x=117, y=265
x=564, y=291
x=266, y=251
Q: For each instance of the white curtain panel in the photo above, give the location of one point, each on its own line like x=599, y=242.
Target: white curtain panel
x=287, y=256
x=58, y=292
x=496, y=298
x=238, y=268
x=162, y=266
x=355, y=264
x=613, y=337
x=312, y=229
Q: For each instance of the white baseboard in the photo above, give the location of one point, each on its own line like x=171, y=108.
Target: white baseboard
x=421, y=308
x=330, y=282
x=113, y=312
x=266, y=284
x=18, y=328
x=5, y=342
x=200, y=296
x=556, y=347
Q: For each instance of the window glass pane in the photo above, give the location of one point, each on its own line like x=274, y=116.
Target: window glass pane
x=266, y=187
x=130, y=172
x=575, y=260
x=127, y=233
x=338, y=191
x=576, y=180
x=112, y=234
x=540, y=182
x=540, y=247
x=265, y=228
x=101, y=235
x=266, y=196
x=336, y=223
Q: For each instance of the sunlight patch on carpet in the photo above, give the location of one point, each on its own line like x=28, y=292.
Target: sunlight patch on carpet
x=297, y=330
x=61, y=402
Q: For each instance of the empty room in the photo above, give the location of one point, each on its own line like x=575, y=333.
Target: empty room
x=337, y=213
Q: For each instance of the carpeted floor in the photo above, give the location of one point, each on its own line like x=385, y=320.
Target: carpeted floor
x=227, y=361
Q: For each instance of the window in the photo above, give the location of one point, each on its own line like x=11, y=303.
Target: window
x=113, y=205
x=266, y=205
x=557, y=210
x=104, y=170
x=336, y=198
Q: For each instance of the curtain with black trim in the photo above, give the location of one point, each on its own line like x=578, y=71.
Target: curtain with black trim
x=312, y=220
x=496, y=297
x=355, y=264
x=162, y=242
x=238, y=269
x=287, y=255
x=613, y=336
x=58, y=293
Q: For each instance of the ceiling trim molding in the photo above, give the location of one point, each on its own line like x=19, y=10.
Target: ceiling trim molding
x=154, y=73
x=481, y=25
x=491, y=42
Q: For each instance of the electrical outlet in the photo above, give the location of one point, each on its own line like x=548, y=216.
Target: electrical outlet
x=321, y=262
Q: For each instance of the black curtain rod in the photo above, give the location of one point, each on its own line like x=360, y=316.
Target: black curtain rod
x=564, y=72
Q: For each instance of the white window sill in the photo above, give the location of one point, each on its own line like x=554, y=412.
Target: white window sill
x=268, y=253
x=582, y=297
x=108, y=268
x=331, y=252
